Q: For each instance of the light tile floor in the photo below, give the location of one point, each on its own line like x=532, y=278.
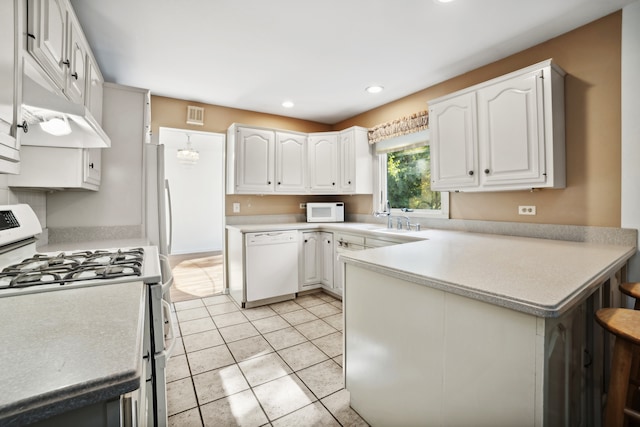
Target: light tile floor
x=278, y=365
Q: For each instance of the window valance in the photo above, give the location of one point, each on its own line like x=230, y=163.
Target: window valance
x=403, y=126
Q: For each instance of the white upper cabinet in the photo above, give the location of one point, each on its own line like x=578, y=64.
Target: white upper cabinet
x=454, y=157
x=77, y=58
x=323, y=162
x=58, y=168
x=10, y=75
x=504, y=134
x=271, y=161
x=255, y=152
x=264, y=161
x=291, y=158
x=356, y=167
x=94, y=90
x=48, y=37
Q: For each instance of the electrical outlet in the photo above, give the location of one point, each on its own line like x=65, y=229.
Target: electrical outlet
x=236, y=207
x=303, y=206
x=526, y=210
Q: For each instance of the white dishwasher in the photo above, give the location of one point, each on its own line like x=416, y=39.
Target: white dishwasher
x=271, y=264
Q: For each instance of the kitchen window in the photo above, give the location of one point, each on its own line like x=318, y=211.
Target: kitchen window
x=405, y=178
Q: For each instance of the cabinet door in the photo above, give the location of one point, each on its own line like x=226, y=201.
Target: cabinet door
x=312, y=259
x=454, y=158
x=92, y=162
x=511, y=131
x=47, y=37
x=291, y=158
x=94, y=90
x=323, y=163
x=76, y=80
x=347, y=150
x=326, y=242
x=9, y=73
x=255, y=160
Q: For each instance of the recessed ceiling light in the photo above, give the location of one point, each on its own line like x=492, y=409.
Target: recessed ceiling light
x=374, y=89
x=443, y=1
x=288, y=104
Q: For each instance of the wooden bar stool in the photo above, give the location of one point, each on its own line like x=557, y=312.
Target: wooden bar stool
x=631, y=289
x=625, y=325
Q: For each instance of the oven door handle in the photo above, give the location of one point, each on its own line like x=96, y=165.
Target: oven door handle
x=169, y=350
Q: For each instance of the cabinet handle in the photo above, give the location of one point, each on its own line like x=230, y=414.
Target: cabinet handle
x=75, y=76
x=305, y=240
x=349, y=182
x=24, y=126
x=470, y=173
x=278, y=182
x=486, y=171
x=67, y=63
x=333, y=183
x=269, y=182
x=91, y=165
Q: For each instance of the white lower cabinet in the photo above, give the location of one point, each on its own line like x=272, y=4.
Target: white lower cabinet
x=58, y=168
x=503, y=366
x=326, y=252
x=310, y=260
x=316, y=260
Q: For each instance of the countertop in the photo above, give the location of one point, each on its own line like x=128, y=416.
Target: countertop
x=65, y=349
x=537, y=276
x=542, y=277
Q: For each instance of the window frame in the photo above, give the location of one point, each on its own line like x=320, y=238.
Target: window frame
x=380, y=191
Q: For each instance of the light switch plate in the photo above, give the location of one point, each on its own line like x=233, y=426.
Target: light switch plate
x=236, y=207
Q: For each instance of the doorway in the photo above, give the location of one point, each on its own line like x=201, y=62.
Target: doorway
x=197, y=212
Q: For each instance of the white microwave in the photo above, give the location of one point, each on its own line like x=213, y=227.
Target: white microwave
x=325, y=212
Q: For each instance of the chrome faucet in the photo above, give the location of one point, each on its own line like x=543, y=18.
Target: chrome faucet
x=407, y=221
x=387, y=213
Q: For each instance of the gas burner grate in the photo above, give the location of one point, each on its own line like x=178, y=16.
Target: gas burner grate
x=42, y=269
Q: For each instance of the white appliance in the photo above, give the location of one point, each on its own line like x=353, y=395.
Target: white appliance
x=158, y=203
x=24, y=271
x=185, y=202
x=272, y=265
x=325, y=212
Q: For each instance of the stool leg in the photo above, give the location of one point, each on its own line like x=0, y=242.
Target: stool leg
x=617, y=394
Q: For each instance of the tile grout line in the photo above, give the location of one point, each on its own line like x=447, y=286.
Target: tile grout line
x=276, y=352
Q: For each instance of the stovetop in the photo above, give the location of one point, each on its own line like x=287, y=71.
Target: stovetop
x=40, y=272
x=64, y=268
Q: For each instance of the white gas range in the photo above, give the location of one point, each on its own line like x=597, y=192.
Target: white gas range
x=24, y=271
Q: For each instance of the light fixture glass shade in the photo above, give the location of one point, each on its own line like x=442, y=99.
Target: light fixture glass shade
x=56, y=126
x=188, y=156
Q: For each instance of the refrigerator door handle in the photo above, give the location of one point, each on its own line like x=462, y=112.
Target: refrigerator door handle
x=168, y=351
x=170, y=236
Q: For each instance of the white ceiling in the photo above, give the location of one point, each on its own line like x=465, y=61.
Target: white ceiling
x=254, y=54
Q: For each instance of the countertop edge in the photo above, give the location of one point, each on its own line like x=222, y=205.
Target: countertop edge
x=495, y=299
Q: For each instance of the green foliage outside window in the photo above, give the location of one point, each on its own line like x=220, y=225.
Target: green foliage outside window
x=409, y=180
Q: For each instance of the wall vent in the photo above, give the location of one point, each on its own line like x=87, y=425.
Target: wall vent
x=195, y=115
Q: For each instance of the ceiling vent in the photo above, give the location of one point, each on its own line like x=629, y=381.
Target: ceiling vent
x=195, y=115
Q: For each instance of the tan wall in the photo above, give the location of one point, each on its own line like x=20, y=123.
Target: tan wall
x=591, y=57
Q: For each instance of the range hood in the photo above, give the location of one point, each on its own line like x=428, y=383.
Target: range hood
x=40, y=105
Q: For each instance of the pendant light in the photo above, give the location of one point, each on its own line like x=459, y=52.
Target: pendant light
x=188, y=156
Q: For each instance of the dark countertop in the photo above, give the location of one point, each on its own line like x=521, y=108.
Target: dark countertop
x=65, y=349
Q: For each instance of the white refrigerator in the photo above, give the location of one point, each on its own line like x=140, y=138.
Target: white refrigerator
x=185, y=202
